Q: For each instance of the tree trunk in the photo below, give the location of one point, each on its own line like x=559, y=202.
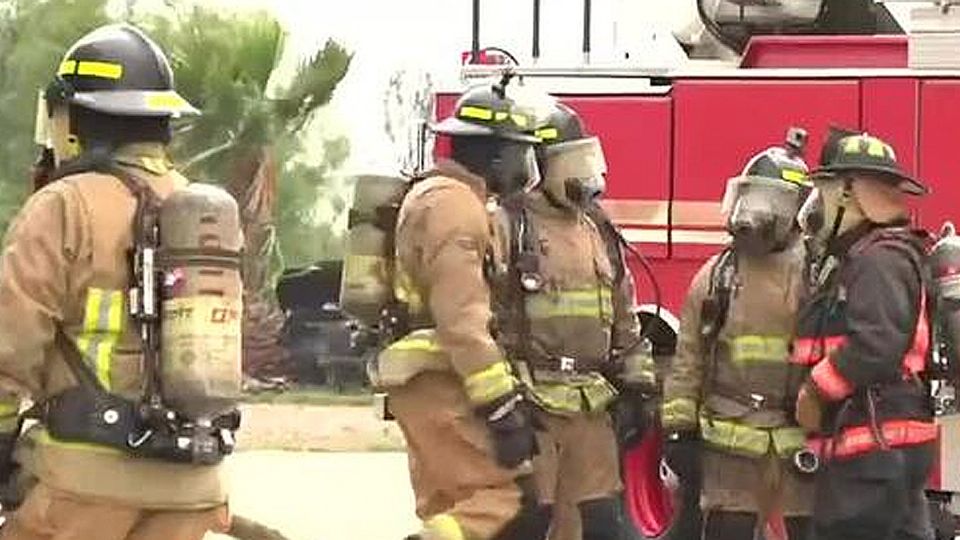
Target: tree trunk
x=255, y=187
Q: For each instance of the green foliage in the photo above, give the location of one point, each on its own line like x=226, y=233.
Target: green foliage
x=224, y=64
x=34, y=34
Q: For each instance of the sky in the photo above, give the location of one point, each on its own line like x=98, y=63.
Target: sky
x=429, y=36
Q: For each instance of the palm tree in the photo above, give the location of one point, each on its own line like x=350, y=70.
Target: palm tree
x=224, y=64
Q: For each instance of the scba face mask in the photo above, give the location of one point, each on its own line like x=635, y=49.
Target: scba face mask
x=514, y=168
x=576, y=172
x=761, y=212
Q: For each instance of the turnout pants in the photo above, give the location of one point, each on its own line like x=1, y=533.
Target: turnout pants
x=459, y=487
x=50, y=514
x=738, y=490
x=578, y=475
x=877, y=496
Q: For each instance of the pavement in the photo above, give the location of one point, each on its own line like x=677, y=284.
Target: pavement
x=324, y=495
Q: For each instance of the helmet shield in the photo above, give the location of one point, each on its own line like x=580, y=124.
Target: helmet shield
x=575, y=171
x=761, y=212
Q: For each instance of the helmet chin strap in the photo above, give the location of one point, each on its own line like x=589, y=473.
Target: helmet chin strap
x=841, y=212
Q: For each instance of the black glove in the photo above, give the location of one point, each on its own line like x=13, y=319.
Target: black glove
x=681, y=451
x=510, y=421
x=632, y=413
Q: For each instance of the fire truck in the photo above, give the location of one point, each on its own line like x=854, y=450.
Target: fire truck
x=673, y=135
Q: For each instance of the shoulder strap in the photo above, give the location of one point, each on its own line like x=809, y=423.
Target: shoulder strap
x=611, y=239
x=713, y=310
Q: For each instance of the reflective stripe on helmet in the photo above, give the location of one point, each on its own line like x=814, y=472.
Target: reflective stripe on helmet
x=476, y=113
x=166, y=100
x=595, y=302
x=102, y=326
x=547, y=133
x=88, y=68
x=761, y=349
x=490, y=383
x=794, y=175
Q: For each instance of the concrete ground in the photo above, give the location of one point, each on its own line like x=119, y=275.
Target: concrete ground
x=324, y=495
x=319, y=472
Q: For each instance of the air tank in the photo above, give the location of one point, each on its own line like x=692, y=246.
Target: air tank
x=201, y=239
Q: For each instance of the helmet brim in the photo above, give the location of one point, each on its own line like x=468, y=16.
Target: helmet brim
x=457, y=127
x=135, y=103
x=905, y=182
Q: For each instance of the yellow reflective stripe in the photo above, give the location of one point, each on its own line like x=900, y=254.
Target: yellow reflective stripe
x=852, y=145
x=770, y=349
x=165, y=100
x=735, y=438
x=425, y=345
x=477, y=113
x=795, y=176
x=102, y=326
x=103, y=70
x=9, y=408
x=679, y=412
x=787, y=440
x=875, y=147
x=577, y=303
x=68, y=67
x=520, y=120
x=751, y=441
x=546, y=134
x=488, y=384
x=443, y=527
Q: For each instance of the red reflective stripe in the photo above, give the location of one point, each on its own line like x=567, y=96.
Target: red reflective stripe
x=830, y=382
x=809, y=351
x=915, y=361
x=896, y=433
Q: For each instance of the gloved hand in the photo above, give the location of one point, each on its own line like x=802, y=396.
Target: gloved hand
x=681, y=452
x=511, y=426
x=809, y=411
x=632, y=413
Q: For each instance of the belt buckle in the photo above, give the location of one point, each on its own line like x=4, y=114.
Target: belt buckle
x=757, y=401
x=568, y=364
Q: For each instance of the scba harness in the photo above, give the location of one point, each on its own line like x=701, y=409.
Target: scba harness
x=186, y=410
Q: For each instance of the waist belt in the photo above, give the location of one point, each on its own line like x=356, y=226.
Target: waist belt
x=567, y=365
x=858, y=440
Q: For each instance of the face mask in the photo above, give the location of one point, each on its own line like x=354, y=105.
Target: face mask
x=761, y=212
x=812, y=215
x=514, y=168
x=576, y=172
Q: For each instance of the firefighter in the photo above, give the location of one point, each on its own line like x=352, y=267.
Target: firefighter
x=565, y=317
x=63, y=275
x=866, y=335
x=727, y=396
x=464, y=417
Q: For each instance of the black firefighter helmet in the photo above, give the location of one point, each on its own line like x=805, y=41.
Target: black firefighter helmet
x=861, y=152
x=117, y=70
x=561, y=125
x=486, y=110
